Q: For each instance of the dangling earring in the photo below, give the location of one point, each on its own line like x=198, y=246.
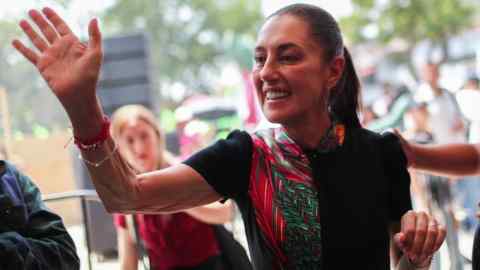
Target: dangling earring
x=329, y=101
x=330, y=111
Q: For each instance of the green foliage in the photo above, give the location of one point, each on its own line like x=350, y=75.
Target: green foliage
x=167, y=120
x=188, y=37
x=64, y=3
x=409, y=20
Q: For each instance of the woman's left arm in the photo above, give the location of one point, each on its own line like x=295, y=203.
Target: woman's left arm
x=414, y=240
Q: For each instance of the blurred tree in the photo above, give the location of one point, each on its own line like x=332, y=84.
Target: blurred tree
x=410, y=21
x=190, y=39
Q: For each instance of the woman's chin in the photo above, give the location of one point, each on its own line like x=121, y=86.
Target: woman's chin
x=143, y=167
x=276, y=117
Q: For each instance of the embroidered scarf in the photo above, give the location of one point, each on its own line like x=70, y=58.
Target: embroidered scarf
x=285, y=198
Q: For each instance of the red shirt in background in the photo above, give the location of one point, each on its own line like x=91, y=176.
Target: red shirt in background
x=174, y=240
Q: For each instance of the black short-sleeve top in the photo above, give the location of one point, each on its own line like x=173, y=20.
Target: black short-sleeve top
x=312, y=209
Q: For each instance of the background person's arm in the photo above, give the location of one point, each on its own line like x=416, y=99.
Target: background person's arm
x=127, y=251
x=449, y=159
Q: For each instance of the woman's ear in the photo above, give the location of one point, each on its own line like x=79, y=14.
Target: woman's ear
x=336, y=71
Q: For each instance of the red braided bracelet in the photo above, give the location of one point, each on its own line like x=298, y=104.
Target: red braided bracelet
x=95, y=142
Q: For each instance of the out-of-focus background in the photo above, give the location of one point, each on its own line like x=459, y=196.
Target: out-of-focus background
x=190, y=60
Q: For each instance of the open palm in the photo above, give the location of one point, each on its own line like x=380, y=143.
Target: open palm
x=69, y=67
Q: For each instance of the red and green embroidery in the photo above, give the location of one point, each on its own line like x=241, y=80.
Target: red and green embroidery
x=285, y=198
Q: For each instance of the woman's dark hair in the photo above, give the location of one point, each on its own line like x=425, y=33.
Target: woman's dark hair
x=344, y=97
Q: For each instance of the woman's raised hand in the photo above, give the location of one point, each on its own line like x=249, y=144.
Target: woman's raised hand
x=70, y=67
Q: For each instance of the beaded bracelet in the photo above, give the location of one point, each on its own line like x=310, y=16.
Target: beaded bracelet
x=95, y=142
x=99, y=163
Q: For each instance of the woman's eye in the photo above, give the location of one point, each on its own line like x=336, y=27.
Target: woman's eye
x=288, y=58
x=259, y=60
x=144, y=136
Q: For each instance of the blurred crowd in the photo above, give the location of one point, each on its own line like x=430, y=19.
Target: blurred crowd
x=433, y=114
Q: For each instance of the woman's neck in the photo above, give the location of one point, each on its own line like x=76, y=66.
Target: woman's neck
x=308, y=134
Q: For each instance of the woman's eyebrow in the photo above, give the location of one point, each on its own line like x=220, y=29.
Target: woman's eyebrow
x=286, y=46
x=282, y=47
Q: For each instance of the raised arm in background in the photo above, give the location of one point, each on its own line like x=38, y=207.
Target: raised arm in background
x=448, y=159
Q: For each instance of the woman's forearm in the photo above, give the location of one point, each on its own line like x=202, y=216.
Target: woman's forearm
x=172, y=189
x=114, y=179
x=450, y=159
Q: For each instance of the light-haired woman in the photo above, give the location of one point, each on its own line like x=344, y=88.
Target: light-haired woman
x=185, y=240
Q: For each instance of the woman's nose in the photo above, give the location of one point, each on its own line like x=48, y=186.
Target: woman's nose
x=137, y=146
x=269, y=71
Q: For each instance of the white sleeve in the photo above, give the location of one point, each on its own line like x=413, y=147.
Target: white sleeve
x=468, y=102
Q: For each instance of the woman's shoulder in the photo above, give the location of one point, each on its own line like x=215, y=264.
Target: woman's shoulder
x=238, y=134
x=366, y=135
x=225, y=164
x=236, y=140
x=387, y=144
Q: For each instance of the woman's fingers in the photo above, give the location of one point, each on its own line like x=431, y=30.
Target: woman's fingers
x=95, y=41
x=28, y=53
x=37, y=40
x=59, y=24
x=47, y=29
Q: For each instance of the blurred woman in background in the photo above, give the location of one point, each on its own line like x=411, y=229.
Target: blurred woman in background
x=185, y=239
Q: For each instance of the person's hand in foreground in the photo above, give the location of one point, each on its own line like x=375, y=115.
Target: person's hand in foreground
x=419, y=238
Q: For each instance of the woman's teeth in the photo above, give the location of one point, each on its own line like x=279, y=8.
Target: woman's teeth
x=276, y=94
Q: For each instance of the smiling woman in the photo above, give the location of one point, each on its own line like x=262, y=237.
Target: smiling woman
x=304, y=75
x=319, y=192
